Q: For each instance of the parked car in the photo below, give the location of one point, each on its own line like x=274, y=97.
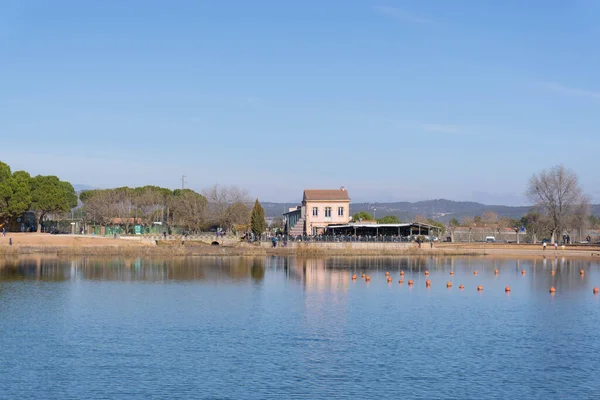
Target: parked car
x=490, y=239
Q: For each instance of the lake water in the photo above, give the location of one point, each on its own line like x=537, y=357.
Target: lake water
x=261, y=328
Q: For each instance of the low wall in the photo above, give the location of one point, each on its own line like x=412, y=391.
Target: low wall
x=339, y=245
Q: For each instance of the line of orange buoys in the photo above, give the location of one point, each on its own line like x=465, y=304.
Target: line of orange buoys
x=507, y=289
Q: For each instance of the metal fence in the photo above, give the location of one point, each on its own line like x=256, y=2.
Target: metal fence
x=333, y=238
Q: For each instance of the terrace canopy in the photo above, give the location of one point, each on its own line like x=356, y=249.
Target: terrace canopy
x=404, y=230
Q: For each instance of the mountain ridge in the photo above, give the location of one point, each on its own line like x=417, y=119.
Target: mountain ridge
x=438, y=209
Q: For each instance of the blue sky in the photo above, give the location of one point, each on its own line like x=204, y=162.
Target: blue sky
x=396, y=100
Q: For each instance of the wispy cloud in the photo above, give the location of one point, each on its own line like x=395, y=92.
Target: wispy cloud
x=441, y=128
x=558, y=88
x=402, y=15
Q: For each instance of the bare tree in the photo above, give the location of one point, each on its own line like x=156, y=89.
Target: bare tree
x=468, y=222
x=188, y=209
x=151, y=201
x=123, y=206
x=99, y=206
x=557, y=194
x=228, y=205
x=515, y=225
x=452, y=225
x=502, y=224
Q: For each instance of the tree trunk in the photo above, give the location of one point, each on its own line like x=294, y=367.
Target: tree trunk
x=39, y=226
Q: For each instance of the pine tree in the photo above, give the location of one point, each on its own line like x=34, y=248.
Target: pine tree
x=257, y=219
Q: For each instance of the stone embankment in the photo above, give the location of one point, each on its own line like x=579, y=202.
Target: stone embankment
x=32, y=243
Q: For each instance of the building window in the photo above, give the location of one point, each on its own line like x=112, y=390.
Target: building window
x=315, y=211
x=327, y=212
x=340, y=211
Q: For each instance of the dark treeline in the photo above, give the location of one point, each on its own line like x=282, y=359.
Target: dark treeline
x=42, y=195
x=224, y=207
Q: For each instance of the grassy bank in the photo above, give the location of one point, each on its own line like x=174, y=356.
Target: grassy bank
x=67, y=245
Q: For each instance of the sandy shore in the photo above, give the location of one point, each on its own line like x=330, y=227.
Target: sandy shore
x=40, y=243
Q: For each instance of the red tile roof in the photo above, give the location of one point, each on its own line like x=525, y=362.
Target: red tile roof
x=325, y=194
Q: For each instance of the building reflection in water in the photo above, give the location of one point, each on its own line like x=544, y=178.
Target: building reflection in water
x=332, y=273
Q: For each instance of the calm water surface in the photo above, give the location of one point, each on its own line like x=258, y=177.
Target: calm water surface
x=259, y=328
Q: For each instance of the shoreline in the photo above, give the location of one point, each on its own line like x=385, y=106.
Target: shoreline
x=75, y=245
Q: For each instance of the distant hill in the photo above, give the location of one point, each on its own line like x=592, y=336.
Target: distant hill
x=440, y=210
x=80, y=187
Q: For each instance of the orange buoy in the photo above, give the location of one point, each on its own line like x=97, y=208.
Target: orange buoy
x=507, y=289
x=427, y=282
x=479, y=288
x=581, y=272
x=461, y=286
x=552, y=289
x=389, y=279
x=552, y=272
x=448, y=284
x=410, y=282
x=402, y=273
x=367, y=278
x=451, y=272
x=426, y=273
x=523, y=272
x=596, y=290
x=475, y=272
x=387, y=273
x=401, y=281
x=354, y=277
x=495, y=272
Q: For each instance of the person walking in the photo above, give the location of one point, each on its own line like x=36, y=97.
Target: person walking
x=3, y=232
x=544, y=245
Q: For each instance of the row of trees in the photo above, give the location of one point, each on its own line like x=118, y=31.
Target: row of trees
x=560, y=207
x=43, y=195
x=224, y=207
